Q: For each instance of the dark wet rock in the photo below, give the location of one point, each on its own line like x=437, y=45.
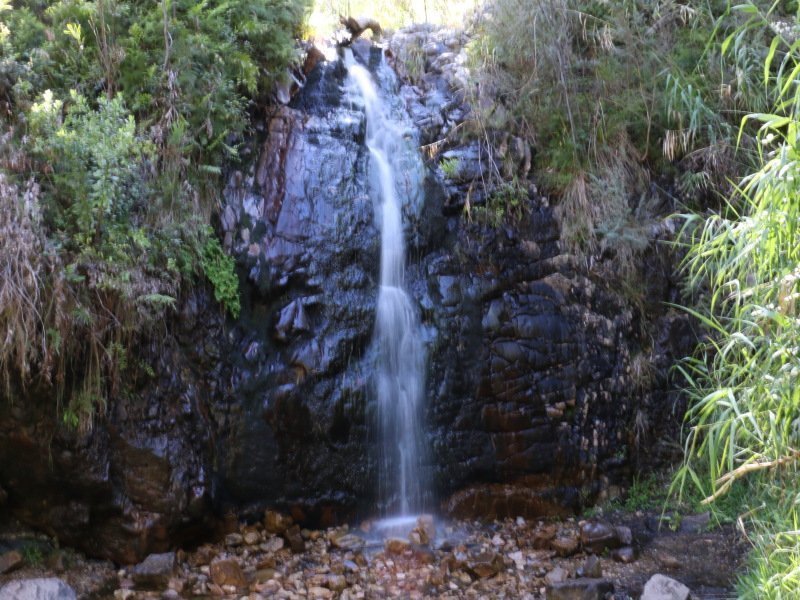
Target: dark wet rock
x=661, y=587
x=37, y=589
x=154, y=572
x=9, y=561
x=598, y=536
x=580, y=589
x=227, y=572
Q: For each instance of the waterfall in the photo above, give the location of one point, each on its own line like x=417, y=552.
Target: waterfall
x=400, y=368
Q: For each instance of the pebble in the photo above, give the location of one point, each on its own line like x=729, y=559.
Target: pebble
x=251, y=538
x=557, y=575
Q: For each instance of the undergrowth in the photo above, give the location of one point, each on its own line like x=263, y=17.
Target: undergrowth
x=743, y=279
x=631, y=107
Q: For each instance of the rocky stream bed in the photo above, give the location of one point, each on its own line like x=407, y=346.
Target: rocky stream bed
x=612, y=557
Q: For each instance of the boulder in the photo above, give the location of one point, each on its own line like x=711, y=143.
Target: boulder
x=661, y=587
x=37, y=589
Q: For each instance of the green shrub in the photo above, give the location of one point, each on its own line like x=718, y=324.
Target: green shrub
x=93, y=163
x=117, y=119
x=220, y=269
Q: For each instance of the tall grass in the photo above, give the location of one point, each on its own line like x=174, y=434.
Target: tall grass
x=743, y=270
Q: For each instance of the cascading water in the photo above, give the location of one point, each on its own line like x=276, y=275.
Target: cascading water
x=400, y=369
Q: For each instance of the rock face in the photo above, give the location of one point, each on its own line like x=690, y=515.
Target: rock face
x=139, y=482
x=532, y=387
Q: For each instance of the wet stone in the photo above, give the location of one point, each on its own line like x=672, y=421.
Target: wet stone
x=396, y=546
x=348, y=541
x=597, y=536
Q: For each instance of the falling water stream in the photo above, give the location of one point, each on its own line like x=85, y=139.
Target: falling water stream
x=400, y=369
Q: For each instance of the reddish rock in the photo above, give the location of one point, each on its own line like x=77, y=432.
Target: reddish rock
x=485, y=564
x=227, y=572
x=396, y=546
x=276, y=522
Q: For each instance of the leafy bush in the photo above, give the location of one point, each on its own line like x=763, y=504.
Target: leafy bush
x=220, y=269
x=116, y=120
x=93, y=168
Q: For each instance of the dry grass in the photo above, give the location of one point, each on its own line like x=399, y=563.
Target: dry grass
x=22, y=271
x=608, y=212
